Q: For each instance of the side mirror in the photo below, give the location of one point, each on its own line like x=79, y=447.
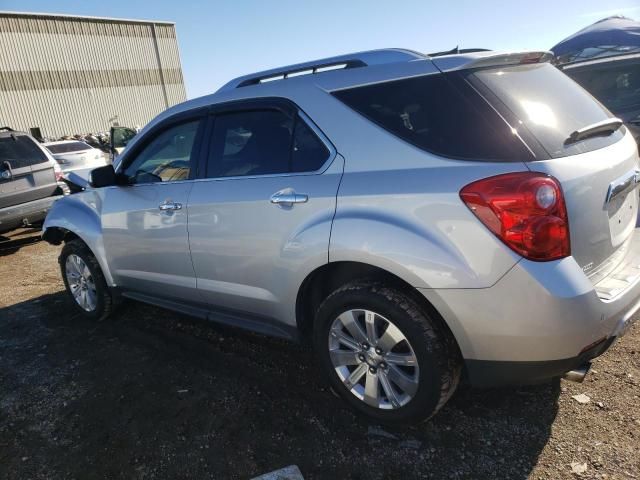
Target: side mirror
x=119, y=138
x=103, y=177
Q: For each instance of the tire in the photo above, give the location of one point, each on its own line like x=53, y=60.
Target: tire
x=102, y=307
x=425, y=342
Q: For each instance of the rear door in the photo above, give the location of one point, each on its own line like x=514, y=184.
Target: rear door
x=598, y=173
x=262, y=215
x=25, y=171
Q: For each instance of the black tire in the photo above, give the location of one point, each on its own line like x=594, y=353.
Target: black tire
x=104, y=299
x=434, y=347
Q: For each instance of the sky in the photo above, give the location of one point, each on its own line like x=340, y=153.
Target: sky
x=222, y=40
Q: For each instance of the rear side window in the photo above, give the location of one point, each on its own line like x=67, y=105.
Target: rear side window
x=20, y=151
x=263, y=142
x=549, y=104
x=436, y=115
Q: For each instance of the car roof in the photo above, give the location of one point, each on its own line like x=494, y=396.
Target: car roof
x=7, y=132
x=258, y=84
x=600, y=60
x=282, y=81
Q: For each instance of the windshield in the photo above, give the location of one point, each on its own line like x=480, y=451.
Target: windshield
x=69, y=147
x=550, y=105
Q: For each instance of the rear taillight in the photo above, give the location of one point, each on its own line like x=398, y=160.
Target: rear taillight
x=525, y=210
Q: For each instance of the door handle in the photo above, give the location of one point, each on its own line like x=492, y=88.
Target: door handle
x=288, y=198
x=169, y=206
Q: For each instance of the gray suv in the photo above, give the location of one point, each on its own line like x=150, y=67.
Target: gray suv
x=28, y=180
x=416, y=218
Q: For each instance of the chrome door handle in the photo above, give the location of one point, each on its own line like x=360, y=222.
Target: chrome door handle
x=168, y=206
x=288, y=198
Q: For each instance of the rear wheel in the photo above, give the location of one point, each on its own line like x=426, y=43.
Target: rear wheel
x=84, y=281
x=384, y=355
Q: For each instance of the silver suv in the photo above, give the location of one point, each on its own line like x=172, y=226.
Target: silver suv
x=417, y=218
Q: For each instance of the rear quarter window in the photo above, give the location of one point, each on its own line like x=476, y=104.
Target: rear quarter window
x=441, y=114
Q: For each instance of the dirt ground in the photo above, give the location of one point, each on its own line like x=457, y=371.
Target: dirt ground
x=152, y=394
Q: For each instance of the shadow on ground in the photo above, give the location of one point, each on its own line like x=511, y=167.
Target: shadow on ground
x=154, y=394
x=11, y=242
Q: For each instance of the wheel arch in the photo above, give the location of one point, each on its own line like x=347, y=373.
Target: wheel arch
x=328, y=277
x=71, y=218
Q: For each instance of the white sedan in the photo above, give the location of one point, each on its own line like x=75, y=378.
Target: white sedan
x=76, y=155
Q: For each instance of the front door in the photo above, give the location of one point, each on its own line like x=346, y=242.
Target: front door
x=145, y=221
x=262, y=219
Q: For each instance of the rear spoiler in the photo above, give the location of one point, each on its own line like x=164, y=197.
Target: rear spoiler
x=449, y=63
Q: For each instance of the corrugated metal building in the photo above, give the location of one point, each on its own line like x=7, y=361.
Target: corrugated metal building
x=68, y=74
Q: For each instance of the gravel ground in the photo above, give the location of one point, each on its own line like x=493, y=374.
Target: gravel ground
x=152, y=394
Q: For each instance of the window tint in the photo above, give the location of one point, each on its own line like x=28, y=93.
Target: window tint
x=437, y=116
x=68, y=147
x=20, y=151
x=309, y=153
x=263, y=142
x=250, y=143
x=549, y=104
x=168, y=157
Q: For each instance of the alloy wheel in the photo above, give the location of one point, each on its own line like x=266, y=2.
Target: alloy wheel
x=81, y=282
x=373, y=359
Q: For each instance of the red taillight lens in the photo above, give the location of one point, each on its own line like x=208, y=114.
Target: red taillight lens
x=525, y=210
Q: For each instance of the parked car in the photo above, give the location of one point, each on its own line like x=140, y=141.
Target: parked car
x=76, y=155
x=604, y=58
x=615, y=81
x=28, y=183
x=415, y=218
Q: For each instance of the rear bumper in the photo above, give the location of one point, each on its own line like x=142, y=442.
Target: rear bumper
x=491, y=373
x=26, y=213
x=539, y=321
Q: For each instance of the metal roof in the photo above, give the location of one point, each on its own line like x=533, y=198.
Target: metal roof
x=82, y=17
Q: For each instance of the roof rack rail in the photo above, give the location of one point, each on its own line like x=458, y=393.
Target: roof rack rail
x=7, y=129
x=284, y=74
x=353, y=60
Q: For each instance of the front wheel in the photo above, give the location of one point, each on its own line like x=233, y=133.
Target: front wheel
x=384, y=355
x=84, y=281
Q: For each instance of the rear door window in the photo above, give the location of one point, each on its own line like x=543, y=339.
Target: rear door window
x=263, y=142
x=440, y=114
x=549, y=104
x=20, y=151
x=308, y=152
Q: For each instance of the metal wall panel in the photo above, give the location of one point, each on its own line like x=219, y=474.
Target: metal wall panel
x=71, y=75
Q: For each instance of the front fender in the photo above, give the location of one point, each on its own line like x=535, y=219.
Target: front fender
x=79, y=214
